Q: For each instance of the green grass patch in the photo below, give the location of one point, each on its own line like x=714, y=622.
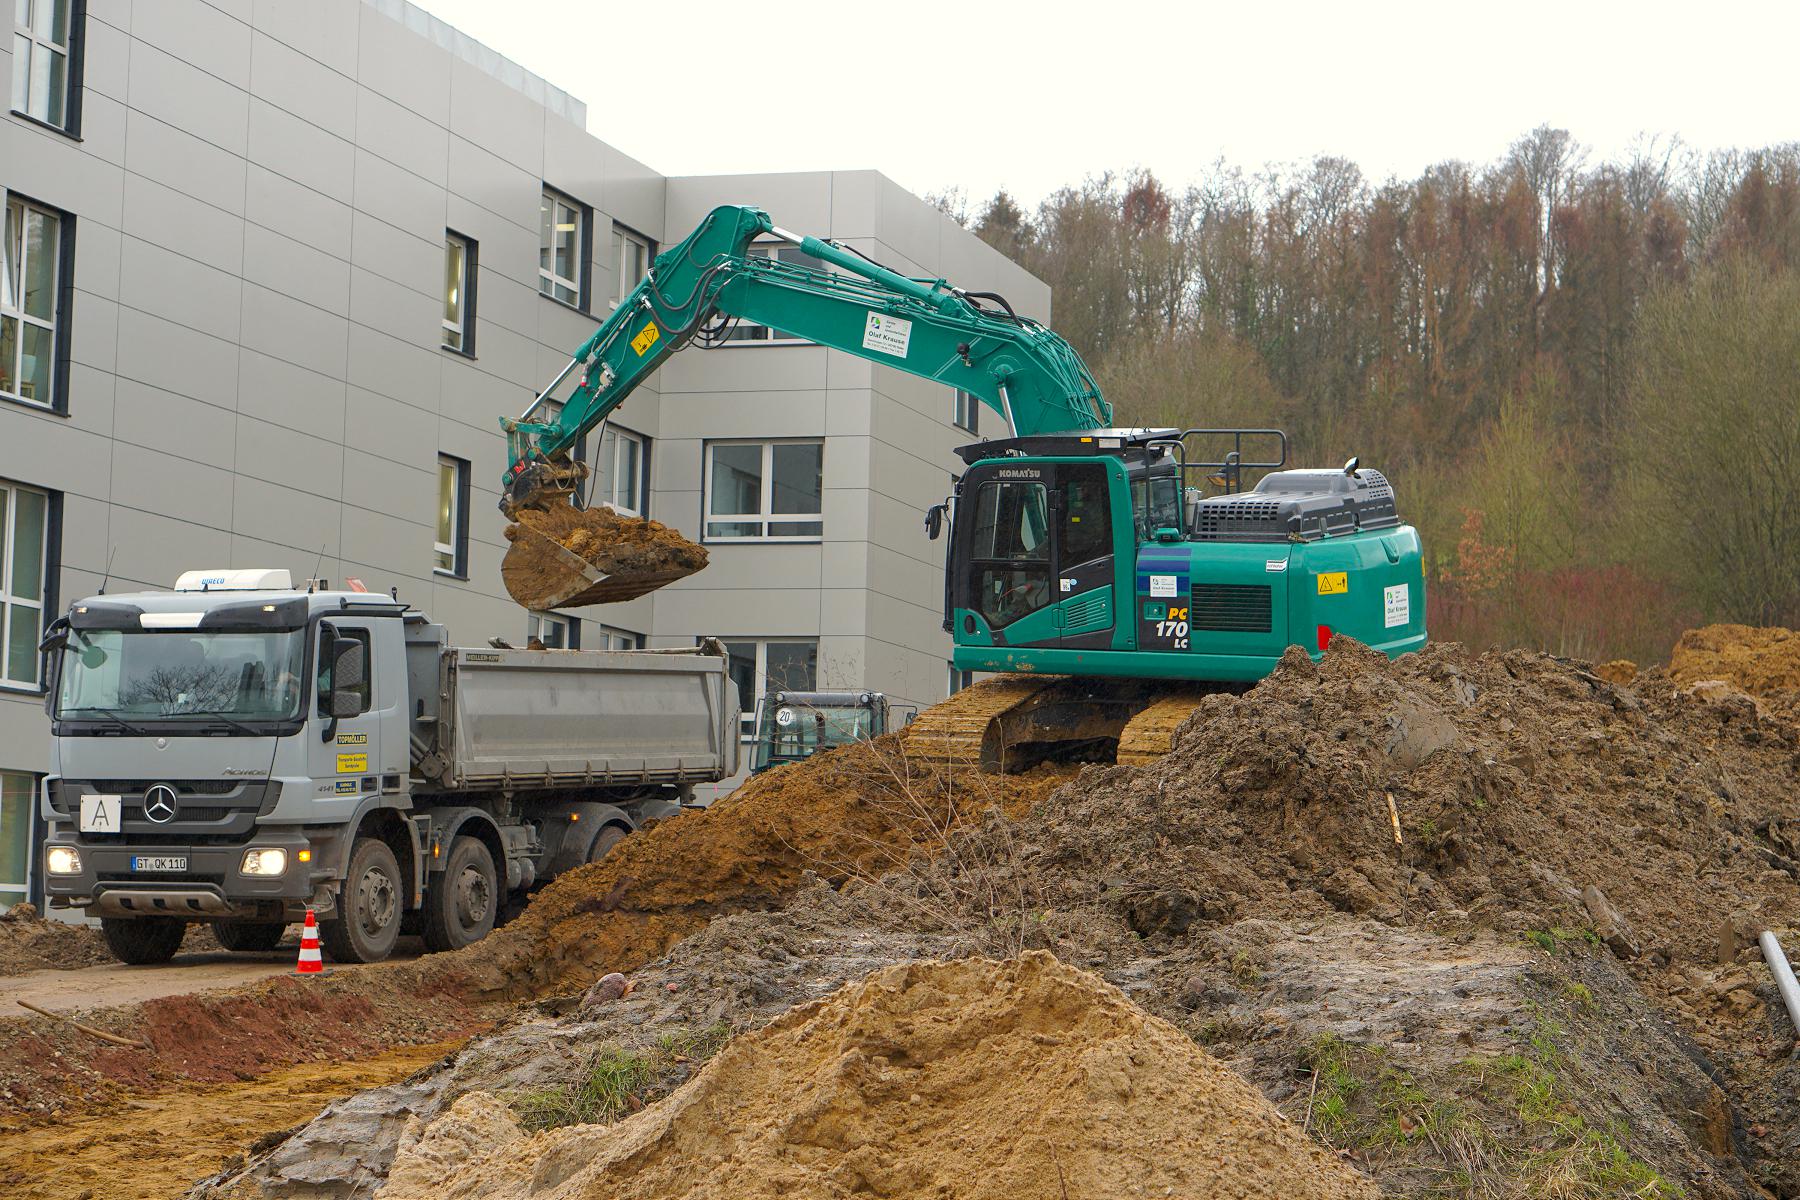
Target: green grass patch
x=616, y=1082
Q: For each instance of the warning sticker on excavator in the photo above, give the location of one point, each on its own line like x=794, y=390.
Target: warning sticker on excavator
x=352, y=764
x=889, y=335
x=1334, y=583
x=645, y=339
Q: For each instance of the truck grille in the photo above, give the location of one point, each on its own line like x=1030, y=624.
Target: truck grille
x=1231, y=607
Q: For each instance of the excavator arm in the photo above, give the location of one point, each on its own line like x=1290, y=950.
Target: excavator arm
x=697, y=290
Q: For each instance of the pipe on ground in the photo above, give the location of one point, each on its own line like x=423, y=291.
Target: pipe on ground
x=1784, y=975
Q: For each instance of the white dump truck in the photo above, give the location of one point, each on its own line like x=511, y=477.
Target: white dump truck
x=237, y=749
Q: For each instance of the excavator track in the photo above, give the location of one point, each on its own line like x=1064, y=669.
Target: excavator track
x=1150, y=733
x=952, y=733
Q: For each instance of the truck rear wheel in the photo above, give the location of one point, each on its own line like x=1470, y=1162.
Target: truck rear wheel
x=367, y=923
x=460, y=905
x=249, y=937
x=141, y=941
x=608, y=837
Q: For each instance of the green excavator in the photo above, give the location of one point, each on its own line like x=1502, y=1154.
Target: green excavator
x=1088, y=562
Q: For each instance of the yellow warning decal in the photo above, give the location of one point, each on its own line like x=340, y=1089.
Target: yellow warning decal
x=645, y=339
x=1334, y=583
x=352, y=739
x=352, y=764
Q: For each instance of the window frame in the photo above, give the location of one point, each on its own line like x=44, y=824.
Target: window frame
x=965, y=412
x=536, y=621
x=768, y=335
x=640, y=501
x=464, y=329
x=63, y=292
x=766, y=517
x=760, y=674
x=582, y=285
x=32, y=836
x=635, y=641
x=458, y=548
x=74, y=55
x=49, y=566
x=624, y=235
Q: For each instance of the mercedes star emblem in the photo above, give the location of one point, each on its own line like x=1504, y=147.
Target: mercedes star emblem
x=159, y=804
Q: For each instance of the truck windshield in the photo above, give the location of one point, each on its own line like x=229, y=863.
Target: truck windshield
x=182, y=675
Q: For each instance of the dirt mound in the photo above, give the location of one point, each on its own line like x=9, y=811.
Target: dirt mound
x=1761, y=661
x=626, y=549
x=28, y=942
x=974, y=1078
x=859, y=810
x=1619, y=670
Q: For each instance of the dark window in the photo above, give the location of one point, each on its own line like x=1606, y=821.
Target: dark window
x=452, y=545
x=37, y=258
x=1011, y=551
x=461, y=256
x=1086, y=515
x=366, y=690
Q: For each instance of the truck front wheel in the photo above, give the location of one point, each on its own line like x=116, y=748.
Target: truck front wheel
x=368, y=913
x=141, y=941
x=460, y=905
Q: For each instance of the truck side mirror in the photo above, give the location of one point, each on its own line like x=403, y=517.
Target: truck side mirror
x=348, y=671
x=934, y=521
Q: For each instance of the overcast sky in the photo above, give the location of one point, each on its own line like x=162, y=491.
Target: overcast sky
x=1029, y=96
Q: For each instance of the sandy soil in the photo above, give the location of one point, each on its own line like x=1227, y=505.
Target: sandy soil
x=152, y=1147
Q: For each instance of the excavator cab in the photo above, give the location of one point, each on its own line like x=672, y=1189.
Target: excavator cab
x=791, y=726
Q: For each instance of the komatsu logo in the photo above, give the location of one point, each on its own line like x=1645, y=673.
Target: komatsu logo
x=1019, y=473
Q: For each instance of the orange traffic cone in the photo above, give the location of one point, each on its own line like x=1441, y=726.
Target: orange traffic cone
x=310, y=962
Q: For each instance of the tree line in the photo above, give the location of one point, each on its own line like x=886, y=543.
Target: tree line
x=1582, y=377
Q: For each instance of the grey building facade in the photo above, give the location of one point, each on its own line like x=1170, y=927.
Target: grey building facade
x=274, y=269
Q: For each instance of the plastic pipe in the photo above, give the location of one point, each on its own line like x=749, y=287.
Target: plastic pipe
x=1784, y=976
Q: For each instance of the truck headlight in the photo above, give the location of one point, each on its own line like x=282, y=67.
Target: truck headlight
x=264, y=862
x=62, y=860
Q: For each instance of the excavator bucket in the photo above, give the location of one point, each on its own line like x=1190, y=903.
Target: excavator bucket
x=566, y=557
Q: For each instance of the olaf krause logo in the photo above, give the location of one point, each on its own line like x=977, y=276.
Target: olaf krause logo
x=159, y=803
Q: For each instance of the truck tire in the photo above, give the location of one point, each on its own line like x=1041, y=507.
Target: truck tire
x=249, y=937
x=367, y=923
x=608, y=837
x=141, y=941
x=460, y=905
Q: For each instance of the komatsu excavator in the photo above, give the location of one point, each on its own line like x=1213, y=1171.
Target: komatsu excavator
x=1084, y=561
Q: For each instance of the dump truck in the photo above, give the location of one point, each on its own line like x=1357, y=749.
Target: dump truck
x=237, y=750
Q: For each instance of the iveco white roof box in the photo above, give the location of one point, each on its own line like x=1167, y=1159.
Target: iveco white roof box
x=254, y=579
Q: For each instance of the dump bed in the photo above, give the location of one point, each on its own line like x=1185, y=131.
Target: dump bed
x=574, y=718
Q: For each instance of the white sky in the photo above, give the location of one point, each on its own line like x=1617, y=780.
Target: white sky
x=1029, y=96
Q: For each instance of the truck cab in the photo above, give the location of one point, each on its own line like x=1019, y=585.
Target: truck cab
x=791, y=726
x=236, y=751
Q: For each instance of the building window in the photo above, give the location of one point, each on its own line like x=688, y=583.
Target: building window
x=459, y=293
x=967, y=412
x=632, y=255
x=24, y=548
x=46, y=61
x=33, y=263
x=619, y=474
x=761, y=667
x=787, y=252
x=764, y=490
x=18, y=799
x=619, y=639
x=555, y=631
x=452, y=517
x=564, y=246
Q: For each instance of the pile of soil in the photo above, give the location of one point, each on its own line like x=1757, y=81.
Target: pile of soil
x=973, y=1078
x=620, y=546
x=1760, y=661
x=1546, y=986
x=28, y=942
x=860, y=811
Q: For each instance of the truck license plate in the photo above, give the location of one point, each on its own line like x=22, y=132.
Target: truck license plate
x=159, y=862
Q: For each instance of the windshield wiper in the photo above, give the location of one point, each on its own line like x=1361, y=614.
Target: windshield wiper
x=107, y=714
x=231, y=722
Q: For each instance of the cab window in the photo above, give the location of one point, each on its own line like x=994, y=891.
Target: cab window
x=366, y=690
x=1011, y=550
x=1086, y=515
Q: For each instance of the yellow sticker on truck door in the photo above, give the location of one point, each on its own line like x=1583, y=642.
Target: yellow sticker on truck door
x=1334, y=583
x=352, y=764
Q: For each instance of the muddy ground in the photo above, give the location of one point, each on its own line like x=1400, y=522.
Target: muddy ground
x=1482, y=924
